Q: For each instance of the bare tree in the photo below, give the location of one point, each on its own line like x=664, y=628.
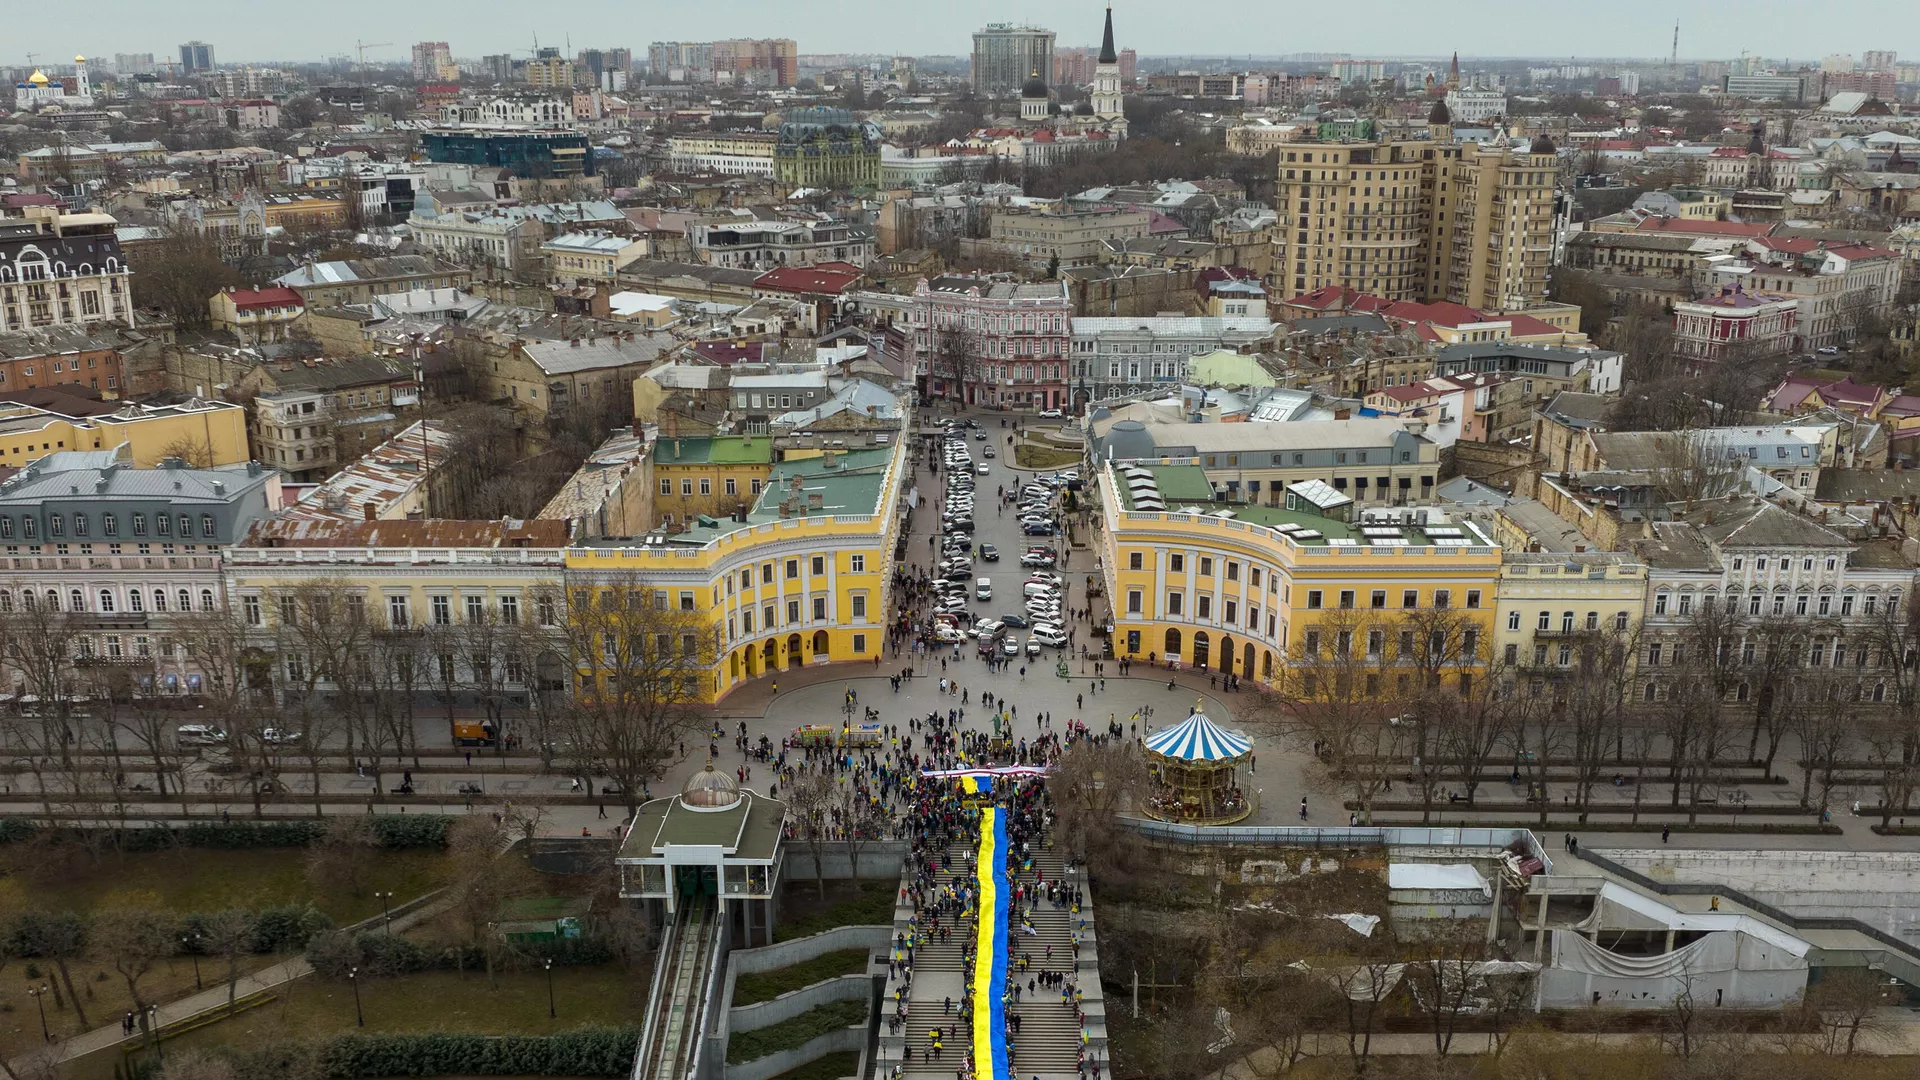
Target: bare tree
x=954, y=360
x=1333, y=701
x=642, y=658
x=1848, y=1003
x=1820, y=715
x=810, y=806
x=134, y=941
x=1091, y=785
x=227, y=934
x=237, y=692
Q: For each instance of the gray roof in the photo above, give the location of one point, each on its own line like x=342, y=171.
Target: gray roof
x=348, y=271
x=565, y=357
x=333, y=373
x=1333, y=324
x=95, y=475
x=1676, y=545
x=1867, y=485
x=1766, y=525
x=1576, y=409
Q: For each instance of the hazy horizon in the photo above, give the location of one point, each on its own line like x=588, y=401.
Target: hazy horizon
x=1508, y=30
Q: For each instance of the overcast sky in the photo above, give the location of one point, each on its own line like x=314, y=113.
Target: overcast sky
x=1542, y=28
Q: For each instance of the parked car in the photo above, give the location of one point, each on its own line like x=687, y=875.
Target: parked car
x=1050, y=414
x=1037, y=529
x=1035, y=559
x=199, y=735
x=1033, y=647
x=989, y=553
x=1016, y=621
x=1011, y=646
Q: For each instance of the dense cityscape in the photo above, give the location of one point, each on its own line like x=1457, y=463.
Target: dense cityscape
x=1445, y=612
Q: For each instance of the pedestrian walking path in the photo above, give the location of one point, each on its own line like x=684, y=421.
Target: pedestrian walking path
x=204, y=1002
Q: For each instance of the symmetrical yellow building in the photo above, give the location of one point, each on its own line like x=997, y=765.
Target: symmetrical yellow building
x=803, y=580
x=1257, y=591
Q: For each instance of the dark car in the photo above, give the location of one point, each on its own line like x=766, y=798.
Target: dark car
x=989, y=553
x=1016, y=621
x=961, y=525
x=1037, y=528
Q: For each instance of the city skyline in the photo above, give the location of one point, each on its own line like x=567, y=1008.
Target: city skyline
x=1507, y=29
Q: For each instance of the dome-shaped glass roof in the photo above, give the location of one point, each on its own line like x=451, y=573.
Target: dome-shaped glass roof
x=710, y=789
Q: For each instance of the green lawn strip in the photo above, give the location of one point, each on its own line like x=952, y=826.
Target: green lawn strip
x=515, y=1003
x=1033, y=456
x=753, y=1045
x=767, y=985
x=832, y=1067
x=207, y=880
x=872, y=907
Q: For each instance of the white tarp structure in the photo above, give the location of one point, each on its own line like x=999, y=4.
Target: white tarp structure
x=1741, y=961
x=1438, y=877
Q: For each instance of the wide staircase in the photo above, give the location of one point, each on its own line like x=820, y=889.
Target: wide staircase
x=1048, y=1043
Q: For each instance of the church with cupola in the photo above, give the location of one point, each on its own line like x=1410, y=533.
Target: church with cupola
x=38, y=91
x=1044, y=130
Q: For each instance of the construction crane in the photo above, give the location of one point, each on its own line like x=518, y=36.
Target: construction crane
x=360, y=49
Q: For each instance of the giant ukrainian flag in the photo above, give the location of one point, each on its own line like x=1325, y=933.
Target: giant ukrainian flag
x=990, y=953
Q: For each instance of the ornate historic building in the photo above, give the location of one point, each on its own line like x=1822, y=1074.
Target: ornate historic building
x=826, y=147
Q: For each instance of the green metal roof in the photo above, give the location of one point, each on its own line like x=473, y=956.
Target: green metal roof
x=749, y=829
x=714, y=449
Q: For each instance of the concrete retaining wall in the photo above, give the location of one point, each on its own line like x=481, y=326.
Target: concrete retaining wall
x=850, y=1038
x=878, y=859
x=786, y=954
x=794, y=1002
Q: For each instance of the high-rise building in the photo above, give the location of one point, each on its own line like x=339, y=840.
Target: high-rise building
x=497, y=66
x=133, y=63
x=762, y=61
x=680, y=61
x=433, y=60
x=1876, y=60
x=196, y=56
x=1416, y=219
x=1005, y=56
x=550, y=71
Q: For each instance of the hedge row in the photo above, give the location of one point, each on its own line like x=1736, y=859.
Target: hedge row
x=598, y=1051
x=745, y=1046
x=334, y=953
x=270, y=930
x=396, y=832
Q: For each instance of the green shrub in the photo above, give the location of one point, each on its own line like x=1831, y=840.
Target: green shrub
x=753, y=1045
x=14, y=829
x=755, y=986
x=585, y=1052
x=398, y=832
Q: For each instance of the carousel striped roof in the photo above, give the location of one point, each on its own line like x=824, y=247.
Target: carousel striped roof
x=1198, y=739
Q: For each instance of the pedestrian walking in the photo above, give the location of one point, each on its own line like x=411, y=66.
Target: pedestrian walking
x=1303, y=808
x=1665, y=832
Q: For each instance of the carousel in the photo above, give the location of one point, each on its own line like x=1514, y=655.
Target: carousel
x=1193, y=764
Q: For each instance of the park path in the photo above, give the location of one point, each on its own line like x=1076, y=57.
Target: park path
x=206, y=1001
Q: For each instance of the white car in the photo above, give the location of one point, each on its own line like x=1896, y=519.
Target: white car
x=1050, y=414
x=1041, y=577
x=982, y=469
x=946, y=633
x=276, y=736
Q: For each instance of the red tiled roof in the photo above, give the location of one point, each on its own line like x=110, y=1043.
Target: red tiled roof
x=247, y=299
x=1705, y=228
x=1904, y=405
x=1528, y=326
x=1440, y=313
x=827, y=277
x=1789, y=394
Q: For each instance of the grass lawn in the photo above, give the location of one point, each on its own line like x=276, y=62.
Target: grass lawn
x=803, y=913
x=431, y=1001
x=744, y=1046
x=199, y=879
x=183, y=880
x=831, y=1067
x=1034, y=456
x=767, y=985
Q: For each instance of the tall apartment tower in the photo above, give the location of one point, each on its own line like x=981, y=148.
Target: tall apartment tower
x=196, y=56
x=433, y=60
x=1107, y=103
x=1004, y=56
x=1416, y=219
x=1501, y=228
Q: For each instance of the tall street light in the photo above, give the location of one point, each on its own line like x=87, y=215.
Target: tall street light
x=40, y=998
x=191, y=944
x=551, y=1014
x=353, y=978
x=386, y=906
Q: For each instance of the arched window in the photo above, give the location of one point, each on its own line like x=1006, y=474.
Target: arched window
x=106, y=600
x=206, y=600
x=136, y=601
x=186, y=600
x=159, y=599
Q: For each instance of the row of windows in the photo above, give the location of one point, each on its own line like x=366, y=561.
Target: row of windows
x=1377, y=601
x=1803, y=604
x=163, y=525
x=769, y=614
x=1438, y=646
x=440, y=609
x=816, y=567
x=108, y=601
x=729, y=484
x=1545, y=622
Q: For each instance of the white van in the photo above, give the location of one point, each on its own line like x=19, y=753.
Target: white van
x=1039, y=588
x=199, y=735
x=983, y=589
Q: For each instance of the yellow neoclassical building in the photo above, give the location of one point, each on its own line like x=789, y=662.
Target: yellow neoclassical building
x=802, y=581
x=1271, y=593
x=207, y=433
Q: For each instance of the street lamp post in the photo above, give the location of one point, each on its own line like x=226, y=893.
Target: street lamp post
x=551, y=1014
x=191, y=943
x=40, y=998
x=353, y=978
x=386, y=907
